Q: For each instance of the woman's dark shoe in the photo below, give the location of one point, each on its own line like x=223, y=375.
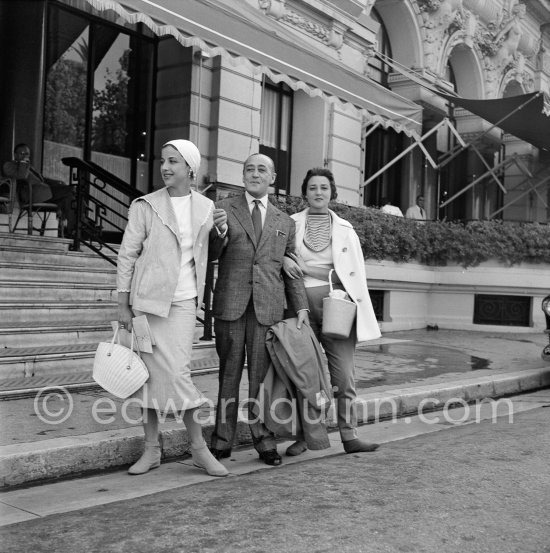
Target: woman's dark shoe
x=271, y=457
x=358, y=446
x=297, y=448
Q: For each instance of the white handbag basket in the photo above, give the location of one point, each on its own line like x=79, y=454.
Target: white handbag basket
x=338, y=315
x=118, y=369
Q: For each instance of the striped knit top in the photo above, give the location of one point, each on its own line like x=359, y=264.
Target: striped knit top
x=318, y=231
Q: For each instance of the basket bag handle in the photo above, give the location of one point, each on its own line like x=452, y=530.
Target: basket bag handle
x=131, y=350
x=330, y=279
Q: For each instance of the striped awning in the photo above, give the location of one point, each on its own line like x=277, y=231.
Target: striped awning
x=245, y=36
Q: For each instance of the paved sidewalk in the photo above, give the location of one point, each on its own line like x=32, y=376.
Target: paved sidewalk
x=61, y=433
x=360, y=478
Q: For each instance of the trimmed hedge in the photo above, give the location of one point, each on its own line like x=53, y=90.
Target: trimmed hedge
x=384, y=236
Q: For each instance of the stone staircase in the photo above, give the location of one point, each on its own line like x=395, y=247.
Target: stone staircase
x=55, y=306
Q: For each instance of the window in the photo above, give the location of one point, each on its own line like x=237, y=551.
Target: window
x=378, y=69
x=99, y=96
x=381, y=146
x=276, y=130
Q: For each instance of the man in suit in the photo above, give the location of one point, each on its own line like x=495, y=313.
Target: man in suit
x=29, y=180
x=417, y=211
x=249, y=297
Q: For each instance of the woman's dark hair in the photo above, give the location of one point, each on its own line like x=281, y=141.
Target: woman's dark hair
x=320, y=172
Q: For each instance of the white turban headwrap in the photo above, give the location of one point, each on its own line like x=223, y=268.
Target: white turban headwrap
x=189, y=152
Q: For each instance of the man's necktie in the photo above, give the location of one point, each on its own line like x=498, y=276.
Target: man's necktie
x=257, y=220
x=421, y=212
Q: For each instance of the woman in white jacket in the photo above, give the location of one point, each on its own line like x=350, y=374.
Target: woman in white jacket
x=161, y=274
x=325, y=241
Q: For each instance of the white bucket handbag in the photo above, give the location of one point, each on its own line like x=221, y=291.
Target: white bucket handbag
x=118, y=369
x=338, y=313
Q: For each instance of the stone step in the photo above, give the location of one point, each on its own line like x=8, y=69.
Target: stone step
x=21, y=335
x=45, y=290
x=56, y=273
x=20, y=238
x=46, y=361
x=31, y=367
x=26, y=254
x=57, y=311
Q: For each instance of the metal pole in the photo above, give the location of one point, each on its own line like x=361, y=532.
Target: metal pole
x=405, y=152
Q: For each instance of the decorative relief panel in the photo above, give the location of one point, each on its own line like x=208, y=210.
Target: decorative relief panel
x=332, y=36
x=505, y=45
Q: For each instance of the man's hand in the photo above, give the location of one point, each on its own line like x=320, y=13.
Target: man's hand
x=303, y=317
x=220, y=220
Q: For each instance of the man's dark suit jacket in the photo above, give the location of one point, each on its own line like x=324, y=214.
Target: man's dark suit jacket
x=246, y=269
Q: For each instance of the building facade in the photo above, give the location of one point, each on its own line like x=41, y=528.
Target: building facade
x=357, y=86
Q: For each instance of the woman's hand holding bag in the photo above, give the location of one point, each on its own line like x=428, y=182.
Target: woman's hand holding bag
x=338, y=313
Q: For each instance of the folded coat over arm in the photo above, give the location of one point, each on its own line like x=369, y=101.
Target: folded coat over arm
x=295, y=395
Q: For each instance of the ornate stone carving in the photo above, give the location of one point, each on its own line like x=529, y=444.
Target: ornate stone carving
x=500, y=46
x=543, y=60
x=368, y=53
x=275, y=8
x=506, y=39
x=441, y=18
x=487, y=10
x=332, y=36
x=429, y=6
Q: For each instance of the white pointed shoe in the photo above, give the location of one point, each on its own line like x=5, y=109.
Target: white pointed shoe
x=203, y=459
x=150, y=459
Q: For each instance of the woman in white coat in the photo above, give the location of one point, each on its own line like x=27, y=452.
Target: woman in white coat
x=161, y=274
x=325, y=241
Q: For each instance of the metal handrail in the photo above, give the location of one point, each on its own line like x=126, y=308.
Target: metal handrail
x=102, y=202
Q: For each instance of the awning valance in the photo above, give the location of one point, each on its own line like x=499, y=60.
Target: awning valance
x=244, y=36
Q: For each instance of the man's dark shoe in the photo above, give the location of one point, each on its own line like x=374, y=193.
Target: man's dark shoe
x=359, y=446
x=220, y=453
x=271, y=457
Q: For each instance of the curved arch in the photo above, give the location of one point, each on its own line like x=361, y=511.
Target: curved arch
x=403, y=31
x=466, y=67
x=512, y=87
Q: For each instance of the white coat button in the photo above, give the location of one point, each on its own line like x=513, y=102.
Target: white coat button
x=352, y=274
x=344, y=249
x=359, y=300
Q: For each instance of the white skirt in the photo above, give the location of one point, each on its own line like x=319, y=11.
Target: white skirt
x=170, y=387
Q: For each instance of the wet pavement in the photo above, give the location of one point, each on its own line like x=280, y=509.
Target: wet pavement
x=406, y=363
